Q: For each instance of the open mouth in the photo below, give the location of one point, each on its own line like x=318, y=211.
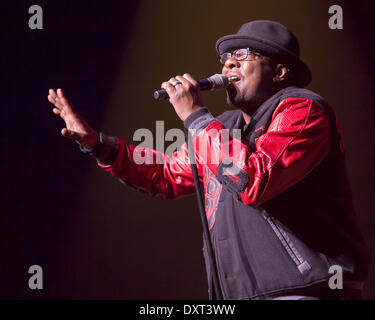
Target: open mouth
x=234, y=78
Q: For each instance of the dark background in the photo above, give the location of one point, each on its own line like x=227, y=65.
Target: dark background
x=94, y=238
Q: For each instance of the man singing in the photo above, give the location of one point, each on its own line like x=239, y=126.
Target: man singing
x=279, y=210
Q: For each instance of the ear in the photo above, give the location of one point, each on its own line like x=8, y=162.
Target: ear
x=281, y=72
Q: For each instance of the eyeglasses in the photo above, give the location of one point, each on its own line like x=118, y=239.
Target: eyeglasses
x=239, y=55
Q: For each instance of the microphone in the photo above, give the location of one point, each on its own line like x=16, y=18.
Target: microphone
x=215, y=82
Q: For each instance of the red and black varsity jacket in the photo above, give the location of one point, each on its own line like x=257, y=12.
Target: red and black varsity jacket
x=278, y=201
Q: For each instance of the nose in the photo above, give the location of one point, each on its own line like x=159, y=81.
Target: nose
x=231, y=63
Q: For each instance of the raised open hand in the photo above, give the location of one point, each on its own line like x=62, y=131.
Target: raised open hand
x=76, y=126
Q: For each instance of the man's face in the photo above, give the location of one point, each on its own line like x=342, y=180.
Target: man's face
x=253, y=82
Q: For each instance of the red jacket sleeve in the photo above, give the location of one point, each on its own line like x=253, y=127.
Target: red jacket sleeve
x=170, y=176
x=296, y=141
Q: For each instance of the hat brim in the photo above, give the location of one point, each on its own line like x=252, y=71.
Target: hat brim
x=268, y=48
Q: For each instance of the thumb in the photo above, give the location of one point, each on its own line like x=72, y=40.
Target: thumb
x=72, y=135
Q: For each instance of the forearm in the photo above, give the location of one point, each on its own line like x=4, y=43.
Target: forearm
x=144, y=169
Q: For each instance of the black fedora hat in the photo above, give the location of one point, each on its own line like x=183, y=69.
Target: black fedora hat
x=271, y=39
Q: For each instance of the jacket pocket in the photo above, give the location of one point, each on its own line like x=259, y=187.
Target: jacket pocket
x=302, y=265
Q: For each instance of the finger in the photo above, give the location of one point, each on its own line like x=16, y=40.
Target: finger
x=52, y=93
x=60, y=93
x=186, y=83
x=171, y=90
x=71, y=134
x=62, y=102
x=168, y=86
x=61, y=97
x=174, y=81
x=56, y=111
x=194, y=82
x=51, y=99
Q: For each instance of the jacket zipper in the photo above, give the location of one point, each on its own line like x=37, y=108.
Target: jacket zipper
x=302, y=265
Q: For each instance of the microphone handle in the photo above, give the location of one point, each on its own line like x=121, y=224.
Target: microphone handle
x=204, y=84
x=161, y=95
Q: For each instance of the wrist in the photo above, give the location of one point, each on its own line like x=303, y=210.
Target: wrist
x=91, y=142
x=105, y=150
x=199, y=119
x=95, y=140
x=186, y=115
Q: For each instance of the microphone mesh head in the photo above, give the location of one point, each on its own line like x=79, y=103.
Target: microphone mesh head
x=219, y=81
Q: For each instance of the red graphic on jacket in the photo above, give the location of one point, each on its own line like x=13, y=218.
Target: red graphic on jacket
x=212, y=191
